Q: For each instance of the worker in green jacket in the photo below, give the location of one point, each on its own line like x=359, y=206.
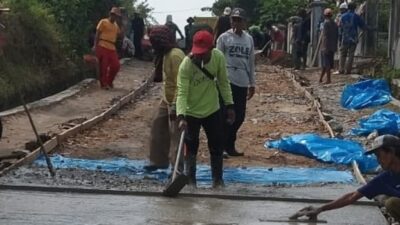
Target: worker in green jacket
x=202, y=78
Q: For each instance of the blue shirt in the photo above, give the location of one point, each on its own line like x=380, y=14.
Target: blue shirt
x=386, y=183
x=349, y=24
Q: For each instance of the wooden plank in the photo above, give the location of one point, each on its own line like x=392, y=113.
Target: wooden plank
x=48, y=146
x=316, y=104
x=91, y=123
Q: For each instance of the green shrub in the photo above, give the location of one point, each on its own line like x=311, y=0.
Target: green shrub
x=388, y=73
x=34, y=61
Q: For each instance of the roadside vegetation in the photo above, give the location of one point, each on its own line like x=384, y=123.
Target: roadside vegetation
x=43, y=44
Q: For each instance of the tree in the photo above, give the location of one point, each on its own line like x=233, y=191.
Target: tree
x=79, y=17
x=260, y=11
x=280, y=10
x=250, y=6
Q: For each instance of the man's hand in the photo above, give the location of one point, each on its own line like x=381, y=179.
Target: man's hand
x=182, y=124
x=309, y=211
x=172, y=115
x=250, y=92
x=231, y=116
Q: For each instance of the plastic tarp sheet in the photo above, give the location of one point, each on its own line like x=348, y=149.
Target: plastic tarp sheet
x=252, y=175
x=383, y=121
x=328, y=150
x=368, y=93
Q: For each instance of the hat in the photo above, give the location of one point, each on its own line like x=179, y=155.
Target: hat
x=343, y=5
x=190, y=20
x=227, y=11
x=328, y=12
x=202, y=42
x=238, y=12
x=384, y=141
x=116, y=11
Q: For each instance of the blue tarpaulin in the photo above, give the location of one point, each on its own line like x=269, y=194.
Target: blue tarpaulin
x=365, y=94
x=326, y=150
x=383, y=121
x=252, y=175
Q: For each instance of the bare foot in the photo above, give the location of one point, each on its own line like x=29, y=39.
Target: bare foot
x=328, y=82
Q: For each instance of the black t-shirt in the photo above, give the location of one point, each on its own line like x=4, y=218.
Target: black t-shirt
x=223, y=24
x=329, y=36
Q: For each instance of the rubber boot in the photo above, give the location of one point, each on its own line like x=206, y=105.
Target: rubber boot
x=217, y=171
x=190, y=169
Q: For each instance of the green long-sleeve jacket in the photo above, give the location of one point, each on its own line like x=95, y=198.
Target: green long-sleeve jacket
x=197, y=94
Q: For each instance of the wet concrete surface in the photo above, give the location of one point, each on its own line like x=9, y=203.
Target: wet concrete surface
x=86, y=209
x=76, y=178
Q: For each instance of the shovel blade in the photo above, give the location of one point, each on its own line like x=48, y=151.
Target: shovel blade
x=173, y=189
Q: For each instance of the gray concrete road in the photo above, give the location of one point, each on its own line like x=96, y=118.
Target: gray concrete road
x=41, y=208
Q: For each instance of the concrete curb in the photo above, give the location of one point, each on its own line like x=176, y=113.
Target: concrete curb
x=51, y=99
x=60, y=138
x=315, y=102
x=71, y=91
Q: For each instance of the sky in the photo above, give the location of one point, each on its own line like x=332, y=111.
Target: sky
x=179, y=9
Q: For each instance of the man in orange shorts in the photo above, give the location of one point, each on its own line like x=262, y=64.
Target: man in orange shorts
x=104, y=46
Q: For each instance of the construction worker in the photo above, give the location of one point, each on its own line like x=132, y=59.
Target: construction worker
x=238, y=48
x=164, y=131
x=188, y=33
x=297, y=42
x=328, y=45
x=349, y=24
x=107, y=32
x=173, y=27
x=202, y=76
x=387, y=150
x=223, y=23
x=342, y=10
x=138, y=29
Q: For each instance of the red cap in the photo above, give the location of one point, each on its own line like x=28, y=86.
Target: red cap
x=202, y=42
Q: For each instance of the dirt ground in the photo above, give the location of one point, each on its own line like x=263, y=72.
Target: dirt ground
x=276, y=110
x=330, y=95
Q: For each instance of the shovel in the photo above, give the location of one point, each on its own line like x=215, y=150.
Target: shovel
x=179, y=180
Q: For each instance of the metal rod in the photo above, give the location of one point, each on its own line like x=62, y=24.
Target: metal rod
x=42, y=149
x=178, y=157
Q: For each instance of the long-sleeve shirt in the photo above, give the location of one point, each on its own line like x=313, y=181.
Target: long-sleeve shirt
x=349, y=24
x=239, y=54
x=171, y=63
x=198, y=94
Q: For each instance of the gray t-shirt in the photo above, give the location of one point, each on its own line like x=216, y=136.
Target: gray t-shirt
x=239, y=55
